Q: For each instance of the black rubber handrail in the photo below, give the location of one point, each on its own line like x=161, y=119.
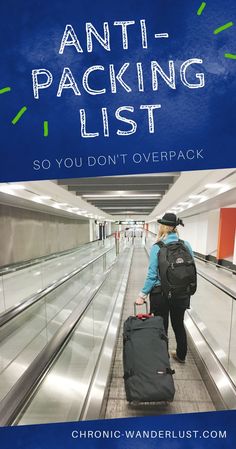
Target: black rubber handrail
x=17, y=397
x=218, y=284
x=21, y=307
x=217, y=265
x=153, y=233
x=6, y=269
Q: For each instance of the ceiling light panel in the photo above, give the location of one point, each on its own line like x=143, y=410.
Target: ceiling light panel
x=16, y=186
x=146, y=195
x=214, y=186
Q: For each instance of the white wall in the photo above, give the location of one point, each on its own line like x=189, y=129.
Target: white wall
x=195, y=232
x=109, y=231
x=92, y=230
x=213, y=232
x=153, y=227
x=202, y=232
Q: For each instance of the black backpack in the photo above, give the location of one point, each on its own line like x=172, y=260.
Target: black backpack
x=177, y=270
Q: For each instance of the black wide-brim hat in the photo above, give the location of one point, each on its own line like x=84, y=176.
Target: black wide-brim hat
x=169, y=219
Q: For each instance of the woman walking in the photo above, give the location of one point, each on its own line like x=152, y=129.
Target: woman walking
x=175, y=301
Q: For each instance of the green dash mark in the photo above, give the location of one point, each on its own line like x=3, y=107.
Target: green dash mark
x=5, y=89
x=202, y=7
x=230, y=56
x=19, y=115
x=224, y=27
x=45, y=128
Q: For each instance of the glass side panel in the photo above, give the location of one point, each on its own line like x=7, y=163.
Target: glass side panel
x=232, y=347
x=66, y=385
x=25, y=336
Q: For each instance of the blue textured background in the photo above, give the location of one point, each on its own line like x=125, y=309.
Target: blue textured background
x=30, y=36
x=58, y=436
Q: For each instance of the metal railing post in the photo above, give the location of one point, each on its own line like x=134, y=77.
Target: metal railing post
x=104, y=262
x=117, y=247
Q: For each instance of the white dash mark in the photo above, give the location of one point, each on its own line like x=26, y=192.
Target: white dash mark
x=161, y=35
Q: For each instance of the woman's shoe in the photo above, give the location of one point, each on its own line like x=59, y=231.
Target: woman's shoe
x=174, y=355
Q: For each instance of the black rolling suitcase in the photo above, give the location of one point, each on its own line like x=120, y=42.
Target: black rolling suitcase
x=147, y=372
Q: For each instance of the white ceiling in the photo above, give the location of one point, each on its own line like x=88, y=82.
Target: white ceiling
x=198, y=184
x=175, y=196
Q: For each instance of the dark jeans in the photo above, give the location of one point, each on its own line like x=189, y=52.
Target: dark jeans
x=161, y=306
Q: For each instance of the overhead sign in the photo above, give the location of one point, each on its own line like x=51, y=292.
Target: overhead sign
x=123, y=87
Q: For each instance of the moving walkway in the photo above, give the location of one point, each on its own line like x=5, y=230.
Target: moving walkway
x=78, y=373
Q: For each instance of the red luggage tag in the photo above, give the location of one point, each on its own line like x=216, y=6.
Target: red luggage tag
x=143, y=316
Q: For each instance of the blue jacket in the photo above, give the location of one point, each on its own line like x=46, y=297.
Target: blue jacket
x=152, y=278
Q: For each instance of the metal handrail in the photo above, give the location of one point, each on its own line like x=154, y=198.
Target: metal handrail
x=21, y=307
x=31, y=262
x=17, y=397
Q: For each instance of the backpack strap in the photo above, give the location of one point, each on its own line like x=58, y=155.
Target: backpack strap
x=160, y=244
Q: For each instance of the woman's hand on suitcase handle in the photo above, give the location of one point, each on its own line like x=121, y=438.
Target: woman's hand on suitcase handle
x=139, y=301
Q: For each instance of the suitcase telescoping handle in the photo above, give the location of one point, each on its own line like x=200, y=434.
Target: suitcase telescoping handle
x=135, y=307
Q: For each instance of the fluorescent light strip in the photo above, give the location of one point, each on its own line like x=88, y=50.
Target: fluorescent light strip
x=141, y=195
x=5, y=189
x=37, y=199
x=45, y=197
x=16, y=187
x=196, y=197
x=215, y=186
x=9, y=190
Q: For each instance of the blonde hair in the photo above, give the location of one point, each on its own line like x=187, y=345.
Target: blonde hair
x=164, y=230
